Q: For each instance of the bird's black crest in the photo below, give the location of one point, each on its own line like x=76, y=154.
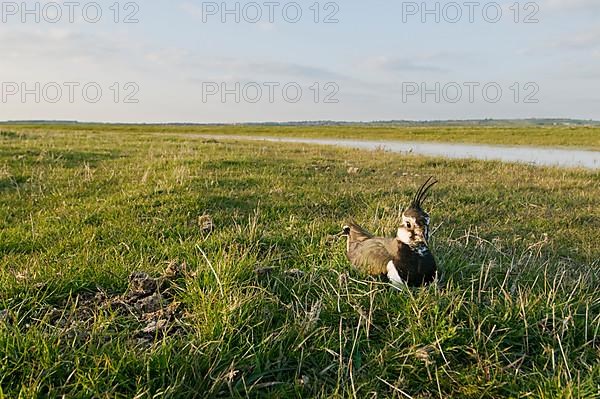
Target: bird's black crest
x=421, y=195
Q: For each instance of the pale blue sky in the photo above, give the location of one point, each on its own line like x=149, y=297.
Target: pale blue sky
x=368, y=62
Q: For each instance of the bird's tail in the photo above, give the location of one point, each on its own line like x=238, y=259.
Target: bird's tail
x=356, y=233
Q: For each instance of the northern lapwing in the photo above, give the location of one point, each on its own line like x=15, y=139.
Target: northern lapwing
x=405, y=258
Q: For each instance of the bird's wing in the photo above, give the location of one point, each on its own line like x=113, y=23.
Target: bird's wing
x=357, y=233
x=373, y=255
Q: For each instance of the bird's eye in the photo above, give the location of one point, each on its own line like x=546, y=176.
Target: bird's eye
x=408, y=225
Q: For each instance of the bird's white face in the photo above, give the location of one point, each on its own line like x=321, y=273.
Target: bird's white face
x=414, y=230
x=404, y=236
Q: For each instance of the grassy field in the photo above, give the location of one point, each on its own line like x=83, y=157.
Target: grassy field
x=547, y=136
x=267, y=305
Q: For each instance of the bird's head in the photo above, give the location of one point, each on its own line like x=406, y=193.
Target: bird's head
x=415, y=221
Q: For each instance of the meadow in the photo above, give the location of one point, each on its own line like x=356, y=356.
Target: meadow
x=264, y=303
x=584, y=137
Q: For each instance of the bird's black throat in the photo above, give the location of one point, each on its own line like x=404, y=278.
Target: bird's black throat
x=416, y=265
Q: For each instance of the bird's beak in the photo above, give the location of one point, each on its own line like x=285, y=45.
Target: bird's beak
x=421, y=237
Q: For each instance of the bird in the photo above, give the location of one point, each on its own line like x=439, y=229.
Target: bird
x=404, y=259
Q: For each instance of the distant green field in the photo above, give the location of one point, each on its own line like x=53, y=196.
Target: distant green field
x=268, y=306
x=545, y=136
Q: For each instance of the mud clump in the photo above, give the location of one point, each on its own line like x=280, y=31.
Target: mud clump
x=206, y=224
x=152, y=301
x=142, y=284
x=148, y=307
x=294, y=273
x=4, y=316
x=264, y=271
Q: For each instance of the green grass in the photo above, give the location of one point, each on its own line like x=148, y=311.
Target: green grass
x=547, y=136
x=516, y=314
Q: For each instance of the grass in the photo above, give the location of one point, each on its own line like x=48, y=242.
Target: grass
x=547, y=136
x=516, y=314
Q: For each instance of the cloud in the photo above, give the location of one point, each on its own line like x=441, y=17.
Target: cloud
x=571, y=4
x=422, y=63
x=45, y=54
x=265, y=72
x=166, y=56
x=198, y=67
x=574, y=70
x=292, y=70
x=266, y=26
x=191, y=9
x=59, y=43
x=582, y=40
